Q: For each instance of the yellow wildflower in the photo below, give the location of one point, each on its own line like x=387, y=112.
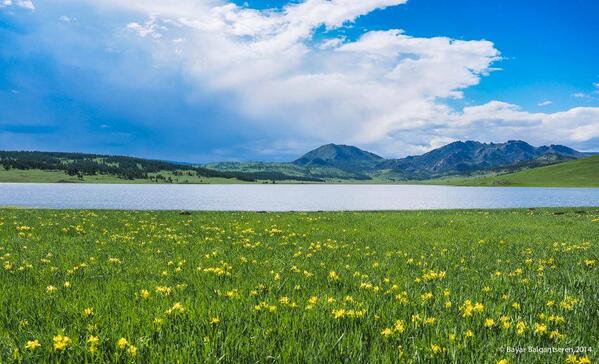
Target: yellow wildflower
x=540, y=328
x=93, y=342
x=399, y=326
x=32, y=345
x=122, y=343
x=333, y=276
x=88, y=312
x=386, y=332
x=489, y=322
x=61, y=342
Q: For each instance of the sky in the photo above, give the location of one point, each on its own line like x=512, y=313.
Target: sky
x=216, y=80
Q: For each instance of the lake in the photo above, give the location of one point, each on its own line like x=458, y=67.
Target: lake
x=281, y=197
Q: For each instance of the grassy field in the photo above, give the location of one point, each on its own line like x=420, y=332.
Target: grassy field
x=423, y=287
x=578, y=173
x=42, y=176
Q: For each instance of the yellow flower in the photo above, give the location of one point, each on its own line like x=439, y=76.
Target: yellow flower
x=571, y=359
x=584, y=360
x=469, y=333
x=426, y=296
x=436, y=349
x=540, y=328
x=333, y=276
x=399, y=326
x=337, y=314
x=93, y=342
x=214, y=321
x=590, y=262
x=386, y=332
x=51, y=289
x=177, y=308
x=313, y=300
x=489, y=322
x=122, y=343
x=144, y=293
x=132, y=350
x=32, y=345
x=502, y=361
x=520, y=327
x=88, y=312
x=61, y=342
x=430, y=320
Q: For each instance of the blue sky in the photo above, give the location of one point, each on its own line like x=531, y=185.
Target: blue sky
x=206, y=80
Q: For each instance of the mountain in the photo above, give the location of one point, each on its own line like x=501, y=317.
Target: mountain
x=460, y=158
x=344, y=157
x=328, y=163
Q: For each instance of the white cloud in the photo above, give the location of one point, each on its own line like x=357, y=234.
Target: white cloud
x=545, y=103
x=385, y=90
x=25, y=4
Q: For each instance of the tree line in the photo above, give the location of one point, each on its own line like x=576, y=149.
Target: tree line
x=83, y=164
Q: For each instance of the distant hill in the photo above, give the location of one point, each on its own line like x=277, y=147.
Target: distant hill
x=460, y=158
x=334, y=162
x=582, y=172
x=344, y=157
x=327, y=163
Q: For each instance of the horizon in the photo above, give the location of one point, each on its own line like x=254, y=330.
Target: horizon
x=590, y=153
x=219, y=80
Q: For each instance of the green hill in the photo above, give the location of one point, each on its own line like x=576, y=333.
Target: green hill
x=582, y=172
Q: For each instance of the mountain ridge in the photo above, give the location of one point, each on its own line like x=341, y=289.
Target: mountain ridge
x=463, y=157
x=327, y=163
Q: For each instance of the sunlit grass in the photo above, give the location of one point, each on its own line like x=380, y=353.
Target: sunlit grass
x=444, y=286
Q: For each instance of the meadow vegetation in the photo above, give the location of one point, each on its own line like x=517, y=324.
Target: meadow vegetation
x=582, y=172
x=422, y=287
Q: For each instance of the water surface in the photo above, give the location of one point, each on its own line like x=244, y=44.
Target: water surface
x=279, y=197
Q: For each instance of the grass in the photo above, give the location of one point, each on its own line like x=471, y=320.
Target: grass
x=422, y=287
x=43, y=176
x=578, y=173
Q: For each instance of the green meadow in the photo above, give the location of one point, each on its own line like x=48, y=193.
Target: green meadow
x=459, y=286
x=582, y=172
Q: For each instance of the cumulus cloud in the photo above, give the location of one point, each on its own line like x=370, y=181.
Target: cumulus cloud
x=385, y=90
x=25, y=4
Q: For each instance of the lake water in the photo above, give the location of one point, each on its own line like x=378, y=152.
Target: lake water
x=280, y=197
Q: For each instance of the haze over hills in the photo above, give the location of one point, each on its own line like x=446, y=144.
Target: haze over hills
x=327, y=163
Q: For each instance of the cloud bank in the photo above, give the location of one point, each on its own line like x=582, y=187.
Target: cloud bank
x=290, y=73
